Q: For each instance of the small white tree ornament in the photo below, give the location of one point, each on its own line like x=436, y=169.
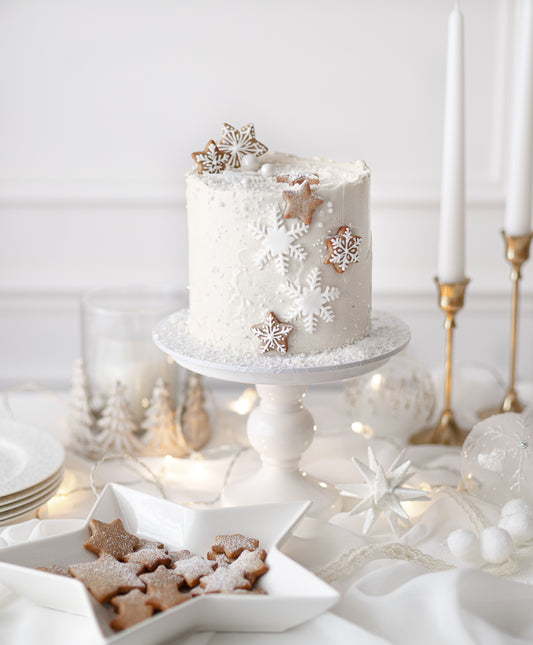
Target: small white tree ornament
x=163, y=436
x=117, y=424
x=194, y=420
x=383, y=492
x=81, y=420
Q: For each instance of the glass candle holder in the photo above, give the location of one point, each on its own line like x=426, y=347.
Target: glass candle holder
x=117, y=344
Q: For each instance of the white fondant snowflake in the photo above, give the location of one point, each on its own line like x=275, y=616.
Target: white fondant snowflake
x=238, y=143
x=383, y=492
x=310, y=300
x=278, y=242
x=343, y=249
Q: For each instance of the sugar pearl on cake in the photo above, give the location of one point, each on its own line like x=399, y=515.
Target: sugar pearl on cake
x=267, y=170
x=250, y=162
x=464, y=545
x=519, y=526
x=516, y=506
x=496, y=545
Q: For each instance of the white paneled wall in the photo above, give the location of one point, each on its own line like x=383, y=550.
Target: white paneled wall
x=103, y=101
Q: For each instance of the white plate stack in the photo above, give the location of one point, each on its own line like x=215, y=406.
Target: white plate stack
x=31, y=469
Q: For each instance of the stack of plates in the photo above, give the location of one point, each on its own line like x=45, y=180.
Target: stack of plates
x=31, y=469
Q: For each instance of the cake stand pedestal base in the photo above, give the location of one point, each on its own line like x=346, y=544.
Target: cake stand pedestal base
x=280, y=428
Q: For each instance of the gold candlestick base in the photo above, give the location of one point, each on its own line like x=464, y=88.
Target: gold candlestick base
x=516, y=253
x=447, y=432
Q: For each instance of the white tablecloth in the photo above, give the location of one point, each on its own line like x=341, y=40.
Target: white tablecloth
x=384, y=601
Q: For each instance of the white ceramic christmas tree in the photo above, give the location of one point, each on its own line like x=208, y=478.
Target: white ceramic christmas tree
x=117, y=424
x=81, y=420
x=194, y=420
x=163, y=435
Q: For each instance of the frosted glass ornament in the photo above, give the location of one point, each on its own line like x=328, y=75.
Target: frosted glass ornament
x=497, y=459
x=395, y=401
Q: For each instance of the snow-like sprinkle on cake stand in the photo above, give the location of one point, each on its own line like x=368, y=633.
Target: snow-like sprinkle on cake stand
x=280, y=428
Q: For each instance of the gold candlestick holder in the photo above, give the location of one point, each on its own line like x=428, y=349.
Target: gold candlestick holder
x=516, y=253
x=447, y=432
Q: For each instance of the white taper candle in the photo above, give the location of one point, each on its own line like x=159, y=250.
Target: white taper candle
x=451, y=258
x=518, y=207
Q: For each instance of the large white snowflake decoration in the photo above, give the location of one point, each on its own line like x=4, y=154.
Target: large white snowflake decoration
x=383, y=491
x=239, y=143
x=278, y=242
x=343, y=249
x=310, y=301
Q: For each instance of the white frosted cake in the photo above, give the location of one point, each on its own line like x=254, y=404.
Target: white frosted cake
x=280, y=254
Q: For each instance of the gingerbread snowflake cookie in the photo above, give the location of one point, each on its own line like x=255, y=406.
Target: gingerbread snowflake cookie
x=211, y=159
x=273, y=334
x=343, y=249
x=238, y=143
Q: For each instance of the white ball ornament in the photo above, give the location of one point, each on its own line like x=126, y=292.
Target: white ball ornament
x=496, y=545
x=267, y=170
x=519, y=526
x=395, y=401
x=497, y=459
x=464, y=545
x=250, y=162
x=516, y=506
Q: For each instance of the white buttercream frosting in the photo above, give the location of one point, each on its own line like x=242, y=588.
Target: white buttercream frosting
x=246, y=259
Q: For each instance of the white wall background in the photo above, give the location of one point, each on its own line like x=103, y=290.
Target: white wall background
x=103, y=101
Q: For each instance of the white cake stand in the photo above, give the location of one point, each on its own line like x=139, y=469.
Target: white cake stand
x=280, y=428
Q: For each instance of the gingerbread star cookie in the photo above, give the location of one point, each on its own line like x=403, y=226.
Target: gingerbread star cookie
x=107, y=577
x=149, y=558
x=234, y=545
x=211, y=159
x=176, y=556
x=193, y=569
x=239, y=143
x=343, y=249
x=162, y=588
x=301, y=202
x=131, y=609
x=224, y=580
x=251, y=564
x=272, y=334
x=111, y=539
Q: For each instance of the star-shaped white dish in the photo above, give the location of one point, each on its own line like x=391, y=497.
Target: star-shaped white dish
x=293, y=596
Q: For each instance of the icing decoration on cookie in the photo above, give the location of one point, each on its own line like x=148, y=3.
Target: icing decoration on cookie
x=193, y=569
x=273, y=335
x=238, y=143
x=301, y=202
x=131, y=609
x=162, y=588
x=107, y=577
x=310, y=301
x=224, y=580
x=297, y=177
x=251, y=563
x=278, y=242
x=211, y=159
x=234, y=545
x=149, y=558
x=343, y=249
x=112, y=539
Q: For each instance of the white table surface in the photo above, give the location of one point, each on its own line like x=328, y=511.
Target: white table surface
x=384, y=601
